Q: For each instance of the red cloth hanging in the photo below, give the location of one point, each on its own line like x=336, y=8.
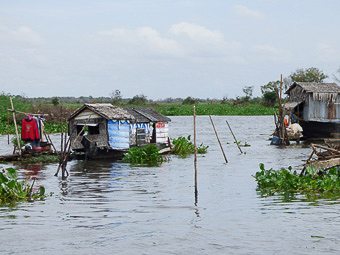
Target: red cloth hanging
x=29, y=129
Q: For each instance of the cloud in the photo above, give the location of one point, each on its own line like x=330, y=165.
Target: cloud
x=23, y=35
x=270, y=52
x=244, y=11
x=196, y=32
x=143, y=40
x=182, y=40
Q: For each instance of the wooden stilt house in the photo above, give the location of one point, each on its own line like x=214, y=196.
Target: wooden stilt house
x=316, y=107
x=107, y=130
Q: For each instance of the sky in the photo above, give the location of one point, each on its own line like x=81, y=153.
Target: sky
x=162, y=48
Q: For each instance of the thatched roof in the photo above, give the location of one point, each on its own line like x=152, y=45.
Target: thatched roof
x=107, y=111
x=327, y=92
x=148, y=113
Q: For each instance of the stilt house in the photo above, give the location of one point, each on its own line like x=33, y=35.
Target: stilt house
x=111, y=129
x=108, y=127
x=316, y=107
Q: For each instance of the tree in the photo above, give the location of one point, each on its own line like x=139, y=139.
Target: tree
x=138, y=99
x=248, y=90
x=55, y=101
x=336, y=76
x=190, y=100
x=268, y=92
x=311, y=74
x=116, y=96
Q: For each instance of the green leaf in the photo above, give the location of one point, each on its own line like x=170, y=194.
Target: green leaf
x=11, y=184
x=262, y=166
x=12, y=173
x=42, y=190
x=3, y=178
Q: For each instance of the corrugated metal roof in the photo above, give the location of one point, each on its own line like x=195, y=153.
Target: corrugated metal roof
x=139, y=117
x=314, y=87
x=150, y=114
x=107, y=111
x=291, y=105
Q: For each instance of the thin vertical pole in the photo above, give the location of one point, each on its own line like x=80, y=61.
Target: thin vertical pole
x=218, y=139
x=195, y=158
x=8, y=126
x=234, y=137
x=16, y=127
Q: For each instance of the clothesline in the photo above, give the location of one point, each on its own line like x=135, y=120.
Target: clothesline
x=27, y=113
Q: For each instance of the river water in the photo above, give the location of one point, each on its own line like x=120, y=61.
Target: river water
x=114, y=208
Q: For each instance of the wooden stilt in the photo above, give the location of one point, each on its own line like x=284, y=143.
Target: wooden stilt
x=8, y=125
x=16, y=128
x=234, y=137
x=218, y=139
x=195, y=158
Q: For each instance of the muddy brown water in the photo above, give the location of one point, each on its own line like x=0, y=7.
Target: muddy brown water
x=106, y=207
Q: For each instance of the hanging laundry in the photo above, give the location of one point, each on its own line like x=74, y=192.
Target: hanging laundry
x=29, y=129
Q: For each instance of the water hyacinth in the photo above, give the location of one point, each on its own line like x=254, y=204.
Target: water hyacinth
x=144, y=155
x=322, y=182
x=183, y=145
x=12, y=190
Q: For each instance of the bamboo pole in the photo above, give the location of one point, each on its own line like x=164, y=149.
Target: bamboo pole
x=16, y=127
x=234, y=137
x=8, y=125
x=62, y=132
x=218, y=139
x=195, y=158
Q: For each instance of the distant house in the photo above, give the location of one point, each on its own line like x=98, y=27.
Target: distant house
x=111, y=130
x=316, y=107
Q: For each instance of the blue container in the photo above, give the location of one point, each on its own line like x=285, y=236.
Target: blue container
x=275, y=140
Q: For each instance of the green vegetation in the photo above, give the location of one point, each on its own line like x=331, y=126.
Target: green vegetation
x=42, y=159
x=237, y=107
x=182, y=146
x=12, y=190
x=284, y=181
x=311, y=74
x=145, y=155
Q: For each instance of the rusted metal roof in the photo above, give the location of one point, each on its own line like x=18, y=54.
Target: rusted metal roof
x=107, y=111
x=327, y=92
x=314, y=87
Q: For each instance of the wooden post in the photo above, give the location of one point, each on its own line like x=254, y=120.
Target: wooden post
x=234, y=137
x=195, y=158
x=218, y=139
x=16, y=127
x=8, y=125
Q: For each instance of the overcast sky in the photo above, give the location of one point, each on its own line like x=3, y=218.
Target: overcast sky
x=162, y=48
